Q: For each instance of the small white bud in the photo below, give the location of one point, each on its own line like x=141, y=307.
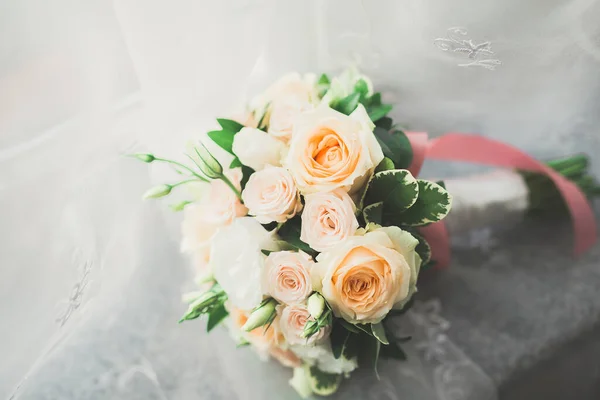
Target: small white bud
x=158, y=191
x=263, y=315
x=315, y=305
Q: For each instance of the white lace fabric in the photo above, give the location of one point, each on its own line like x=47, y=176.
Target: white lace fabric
x=91, y=277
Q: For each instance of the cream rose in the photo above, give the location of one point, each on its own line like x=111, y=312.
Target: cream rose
x=330, y=150
x=292, y=319
x=218, y=208
x=365, y=276
x=328, y=219
x=257, y=149
x=286, y=276
x=271, y=195
x=278, y=107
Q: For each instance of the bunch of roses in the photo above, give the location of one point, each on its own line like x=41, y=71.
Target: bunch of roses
x=290, y=236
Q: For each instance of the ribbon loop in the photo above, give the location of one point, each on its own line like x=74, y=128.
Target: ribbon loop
x=485, y=151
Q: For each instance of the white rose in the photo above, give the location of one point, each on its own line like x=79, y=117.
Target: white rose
x=271, y=195
x=286, y=276
x=257, y=149
x=321, y=356
x=328, y=219
x=292, y=319
x=330, y=150
x=364, y=277
x=237, y=260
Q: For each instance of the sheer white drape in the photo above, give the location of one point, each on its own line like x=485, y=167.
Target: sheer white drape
x=90, y=278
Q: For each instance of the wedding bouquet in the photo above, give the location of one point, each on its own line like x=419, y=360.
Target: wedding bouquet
x=310, y=227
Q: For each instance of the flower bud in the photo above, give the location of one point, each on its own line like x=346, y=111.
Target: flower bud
x=158, y=191
x=262, y=315
x=198, y=306
x=145, y=157
x=315, y=305
x=179, y=206
x=208, y=163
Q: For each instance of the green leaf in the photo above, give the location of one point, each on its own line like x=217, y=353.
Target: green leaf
x=385, y=165
x=339, y=337
x=361, y=88
x=432, y=205
x=385, y=123
x=266, y=252
x=290, y=232
x=378, y=112
x=375, y=100
x=393, y=350
x=396, y=146
x=365, y=328
x=216, y=315
x=373, y=213
x=246, y=172
x=397, y=189
x=230, y=125
x=349, y=327
x=347, y=104
x=235, y=163
x=223, y=138
x=379, y=333
x=323, y=80
x=323, y=383
x=423, y=249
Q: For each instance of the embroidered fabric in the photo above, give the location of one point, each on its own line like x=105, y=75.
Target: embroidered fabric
x=91, y=277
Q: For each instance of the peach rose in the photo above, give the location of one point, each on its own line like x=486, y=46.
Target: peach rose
x=201, y=220
x=269, y=342
x=286, y=276
x=271, y=195
x=292, y=319
x=330, y=150
x=328, y=219
x=366, y=275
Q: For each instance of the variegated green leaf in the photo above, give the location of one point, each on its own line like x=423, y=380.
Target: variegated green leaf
x=397, y=189
x=423, y=249
x=323, y=383
x=432, y=205
x=373, y=213
x=385, y=165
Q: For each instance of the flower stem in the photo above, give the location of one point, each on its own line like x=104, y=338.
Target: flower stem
x=203, y=179
x=231, y=186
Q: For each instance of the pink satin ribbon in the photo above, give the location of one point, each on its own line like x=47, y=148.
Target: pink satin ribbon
x=481, y=150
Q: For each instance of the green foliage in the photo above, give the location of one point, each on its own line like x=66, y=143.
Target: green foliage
x=378, y=112
x=290, y=232
x=432, y=205
x=323, y=383
x=379, y=333
x=385, y=165
x=397, y=189
x=323, y=85
x=373, y=213
x=395, y=145
x=230, y=125
x=423, y=249
x=344, y=342
x=348, y=104
x=216, y=315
